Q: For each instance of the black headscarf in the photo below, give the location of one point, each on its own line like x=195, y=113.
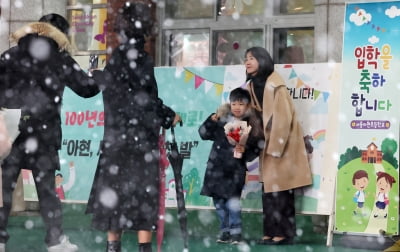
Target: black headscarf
x=265, y=69
x=134, y=20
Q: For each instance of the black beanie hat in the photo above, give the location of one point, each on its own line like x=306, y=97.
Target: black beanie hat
x=56, y=20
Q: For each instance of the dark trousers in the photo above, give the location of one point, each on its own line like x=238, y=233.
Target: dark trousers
x=42, y=163
x=279, y=214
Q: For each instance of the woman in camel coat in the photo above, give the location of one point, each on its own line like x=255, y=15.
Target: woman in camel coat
x=283, y=162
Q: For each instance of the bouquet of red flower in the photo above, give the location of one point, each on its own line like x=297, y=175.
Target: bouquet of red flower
x=237, y=132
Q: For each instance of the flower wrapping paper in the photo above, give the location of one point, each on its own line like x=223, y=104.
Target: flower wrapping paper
x=237, y=132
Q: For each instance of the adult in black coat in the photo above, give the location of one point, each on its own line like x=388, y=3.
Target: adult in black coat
x=125, y=192
x=33, y=75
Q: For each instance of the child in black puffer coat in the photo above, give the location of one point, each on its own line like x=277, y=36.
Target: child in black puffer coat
x=225, y=174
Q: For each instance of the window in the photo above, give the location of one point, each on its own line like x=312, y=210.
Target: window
x=83, y=2
x=230, y=46
x=218, y=32
x=187, y=48
x=88, y=31
x=184, y=9
x=293, y=45
x=242, y=7
x=296, y=6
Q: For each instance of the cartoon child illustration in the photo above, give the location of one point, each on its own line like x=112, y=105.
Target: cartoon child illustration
x=360, y=182
x=384, y=183
x=61, y=189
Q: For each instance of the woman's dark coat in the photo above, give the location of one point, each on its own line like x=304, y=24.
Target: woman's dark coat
x=225, y=175
x=125, y=192
x=33, y=76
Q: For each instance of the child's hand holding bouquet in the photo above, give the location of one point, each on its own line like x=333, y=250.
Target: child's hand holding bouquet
x=237, y=133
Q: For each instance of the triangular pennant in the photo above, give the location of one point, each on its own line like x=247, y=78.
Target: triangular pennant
x=178, y=71
x=316, y=94
x=225, y=95
x=218, y=89
x=326, y=96
x=292, y=74
x=291, y=82
x=207, y=86
x=188, y=76
x=299, y=83
x=197, y=81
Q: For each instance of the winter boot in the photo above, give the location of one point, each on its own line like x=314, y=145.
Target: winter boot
x=145, y=247
x=225, y=237
x=113, y=246
x=64, y=246
x=236, y=239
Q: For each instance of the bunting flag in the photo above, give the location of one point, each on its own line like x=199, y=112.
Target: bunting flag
x=225, y=96
x=188, y=76
x=362, y=13
x=207, y=86
x=218, y=89
x=198, y=81
x=292, y=74
x=326, y=96
x=316, y=94
x=301, y=83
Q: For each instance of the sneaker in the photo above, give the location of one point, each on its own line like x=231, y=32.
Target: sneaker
x=225, y=237
x=236, y=239
x=2, y=247
x=63, y=246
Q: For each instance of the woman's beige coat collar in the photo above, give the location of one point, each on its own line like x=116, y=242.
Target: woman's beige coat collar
x=273, y=82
